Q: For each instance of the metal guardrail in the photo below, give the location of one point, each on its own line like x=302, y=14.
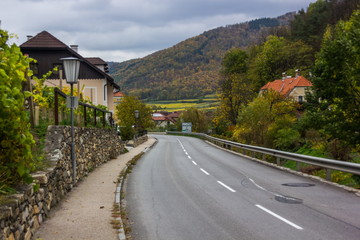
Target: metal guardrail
x=328, y=164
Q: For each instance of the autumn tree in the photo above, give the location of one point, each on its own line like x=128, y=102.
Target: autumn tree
x=126, y=119
x=235, y=88
x=267, y=121
x=278, y=55
x=197, y=117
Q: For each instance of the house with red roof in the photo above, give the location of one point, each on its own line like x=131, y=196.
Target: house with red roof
x=294, y=87
x=94, y=82
x=118, y=96
x=163, y=119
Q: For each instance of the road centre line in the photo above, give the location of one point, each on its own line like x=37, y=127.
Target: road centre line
x=226, y=186
x=221, y=183
x=204, y=171
x=279, y=217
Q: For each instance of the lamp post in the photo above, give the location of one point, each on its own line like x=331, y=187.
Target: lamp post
x=71, y=67
x=136, y=112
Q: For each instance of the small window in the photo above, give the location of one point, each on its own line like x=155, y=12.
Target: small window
x=35, y=68
x=301, y=99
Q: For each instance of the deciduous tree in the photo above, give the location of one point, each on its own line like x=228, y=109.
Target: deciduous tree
x=125, y=114
x=278, y=55
x=236, y=89
x=196, y=117
x=265, y=120
x=335, y=99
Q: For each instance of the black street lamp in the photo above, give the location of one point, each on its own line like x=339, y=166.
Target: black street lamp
x=71, y=67
x=136, y=112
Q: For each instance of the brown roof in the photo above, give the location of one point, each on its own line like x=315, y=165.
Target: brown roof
x=161, y=116
x=96, y=61
x=285, y=86
x=174, y=115
x=44, y=40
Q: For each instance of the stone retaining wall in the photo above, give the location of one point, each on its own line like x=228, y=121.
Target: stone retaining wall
x=140, y=140
x=21, y=214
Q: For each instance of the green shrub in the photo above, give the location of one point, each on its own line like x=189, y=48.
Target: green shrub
x=15, y=137
x=287, y=139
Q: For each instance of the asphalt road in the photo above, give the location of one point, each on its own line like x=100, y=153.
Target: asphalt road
x=184, y=188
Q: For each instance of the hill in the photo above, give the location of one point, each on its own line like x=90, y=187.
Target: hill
x=190, y=69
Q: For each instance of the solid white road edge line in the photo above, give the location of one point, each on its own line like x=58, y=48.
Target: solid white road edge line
x=226, y=186
x=279, y=217
x=204, y=171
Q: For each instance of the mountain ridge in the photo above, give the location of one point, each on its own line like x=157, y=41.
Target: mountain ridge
x=190, y=69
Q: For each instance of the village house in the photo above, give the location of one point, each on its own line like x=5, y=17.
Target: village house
x=164, y=119
x=94, y=82
x=118, y=96
x=294, y=87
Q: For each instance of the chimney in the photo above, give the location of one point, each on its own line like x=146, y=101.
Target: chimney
x=74, y=47
x=297, y=73
x=29, y=37
x=283, y=76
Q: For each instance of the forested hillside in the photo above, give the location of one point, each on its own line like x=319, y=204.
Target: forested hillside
x=190, y=69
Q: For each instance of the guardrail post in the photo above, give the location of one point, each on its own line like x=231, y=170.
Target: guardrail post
x=328, y=174
x=297, y=166
x=278, y=161
x=264, y=157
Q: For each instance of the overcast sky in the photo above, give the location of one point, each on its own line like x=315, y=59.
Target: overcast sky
x=119, y=30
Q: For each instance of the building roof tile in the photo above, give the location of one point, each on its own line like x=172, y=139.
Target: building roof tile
x=43, y=40
x=96, y=61
x=285, y=86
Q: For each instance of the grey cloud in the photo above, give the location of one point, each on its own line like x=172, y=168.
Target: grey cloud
x=132, y=27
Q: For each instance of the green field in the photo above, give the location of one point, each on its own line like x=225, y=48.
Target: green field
x=209, y=102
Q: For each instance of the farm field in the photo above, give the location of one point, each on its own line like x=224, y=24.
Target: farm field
x=209, y=102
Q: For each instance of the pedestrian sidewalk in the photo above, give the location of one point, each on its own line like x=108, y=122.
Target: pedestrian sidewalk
x=85, y=213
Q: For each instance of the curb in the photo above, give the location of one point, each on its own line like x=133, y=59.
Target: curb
x=121, y=232
x=119, y=189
